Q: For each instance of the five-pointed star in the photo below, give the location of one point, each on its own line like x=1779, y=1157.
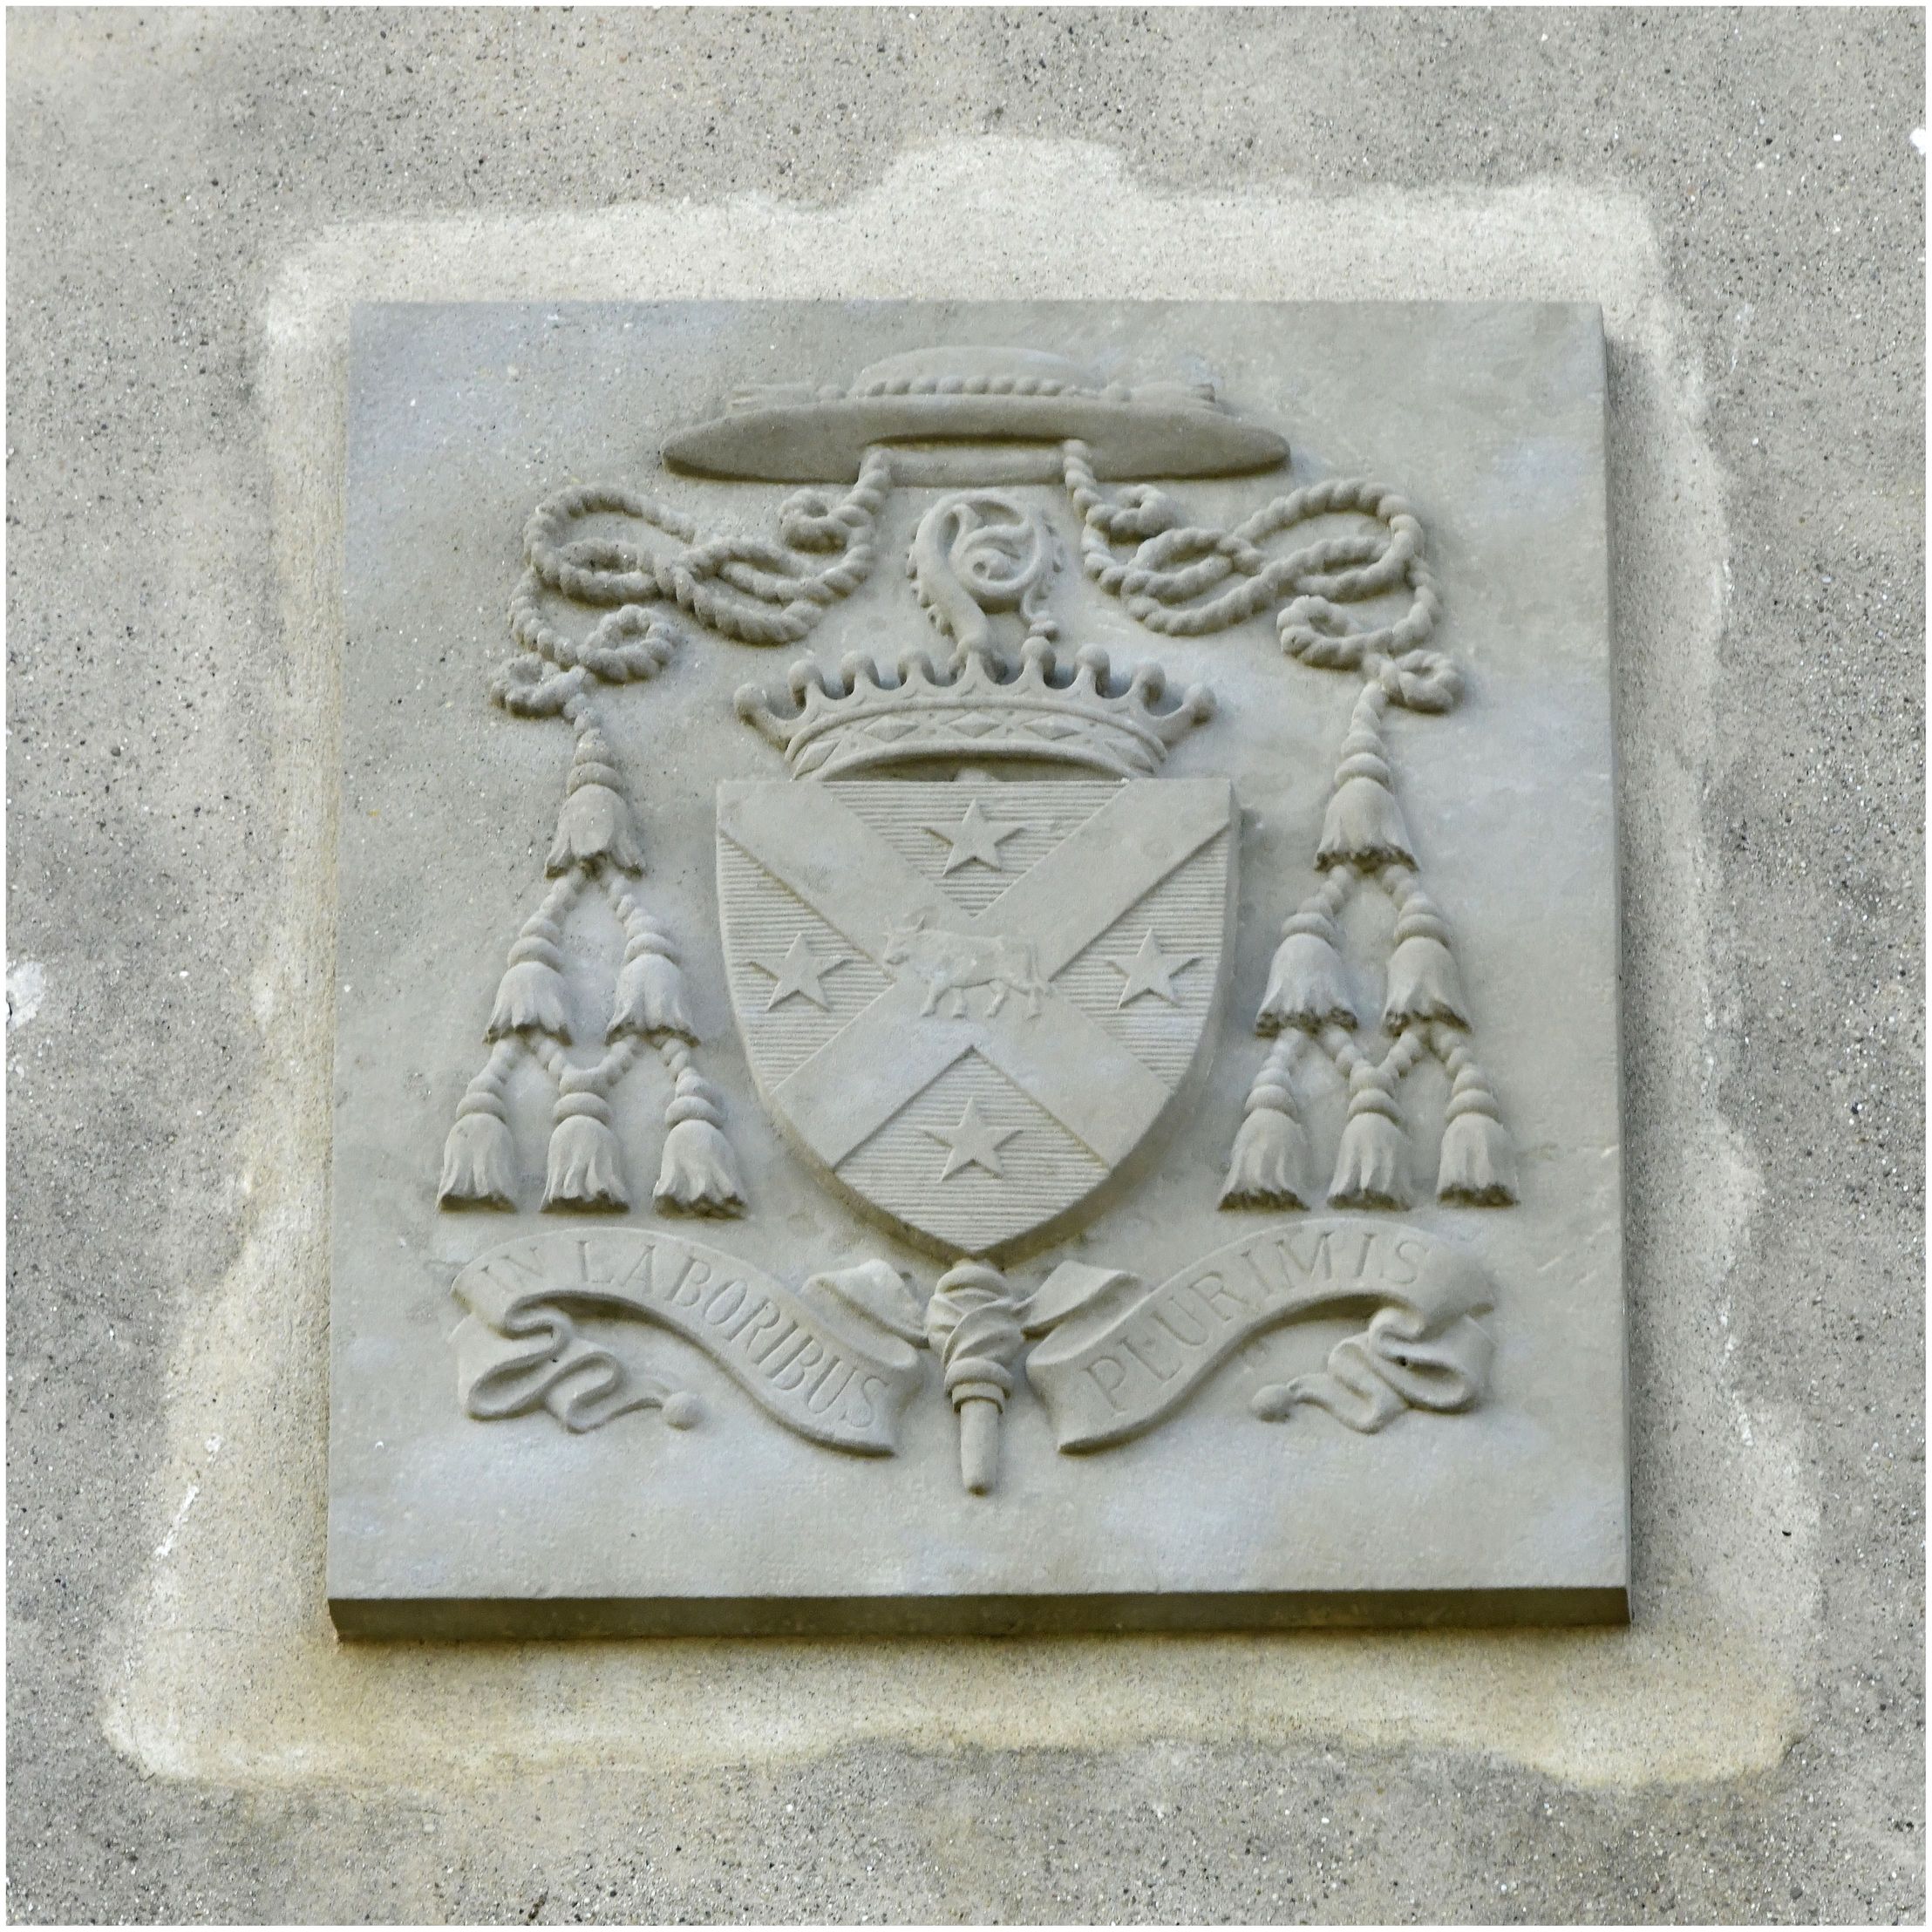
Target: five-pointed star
x=796, y=972
x=1151, y=971
x=974, y=1142
x=976, y=836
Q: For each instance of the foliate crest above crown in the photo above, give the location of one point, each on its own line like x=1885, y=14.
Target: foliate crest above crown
x=980, y=707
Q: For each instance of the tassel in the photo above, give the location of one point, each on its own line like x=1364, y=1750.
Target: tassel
x=1364, y=825
x=1477, y=1166
x=650, y=990
x=529, y=999
x=1424, y=984
x=1368, y=1165
x=1307, y=987
x=699, y=1175
x=586, y=1168
x=478, y=1158
x=972, y=1324
x=1269, y=1166
x=594, y=824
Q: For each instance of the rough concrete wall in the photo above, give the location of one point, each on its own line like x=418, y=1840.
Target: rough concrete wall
x=195, y=199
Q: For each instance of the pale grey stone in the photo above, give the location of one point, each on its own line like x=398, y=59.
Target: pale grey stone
x=907, y=896
x=195, y=197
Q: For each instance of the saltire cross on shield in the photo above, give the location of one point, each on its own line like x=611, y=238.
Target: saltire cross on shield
x=967, y=1004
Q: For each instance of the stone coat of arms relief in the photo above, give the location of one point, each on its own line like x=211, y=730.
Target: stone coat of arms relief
x=977, y=940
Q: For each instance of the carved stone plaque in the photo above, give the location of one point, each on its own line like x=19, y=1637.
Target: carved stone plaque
x=977, y=980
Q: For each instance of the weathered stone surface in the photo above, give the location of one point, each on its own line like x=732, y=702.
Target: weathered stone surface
x=902, y=870
x=194, y=199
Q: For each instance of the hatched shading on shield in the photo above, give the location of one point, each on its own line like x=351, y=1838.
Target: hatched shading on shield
x=968, y=1002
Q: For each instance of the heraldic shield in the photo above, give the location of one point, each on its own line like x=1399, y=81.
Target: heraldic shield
x=969, y=1000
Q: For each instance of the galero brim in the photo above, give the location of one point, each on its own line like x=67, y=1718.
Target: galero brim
x=967, y=439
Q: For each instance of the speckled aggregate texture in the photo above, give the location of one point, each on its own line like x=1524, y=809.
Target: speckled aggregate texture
x=195, y=199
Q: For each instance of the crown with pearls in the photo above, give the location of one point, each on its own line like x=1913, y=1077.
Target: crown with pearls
x=980, y=707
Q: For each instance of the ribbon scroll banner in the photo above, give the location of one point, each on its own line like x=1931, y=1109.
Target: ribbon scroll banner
x=1117, y=1356
x=833, y=1360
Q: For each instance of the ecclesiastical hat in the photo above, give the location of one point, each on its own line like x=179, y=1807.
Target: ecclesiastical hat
x=960, y=416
